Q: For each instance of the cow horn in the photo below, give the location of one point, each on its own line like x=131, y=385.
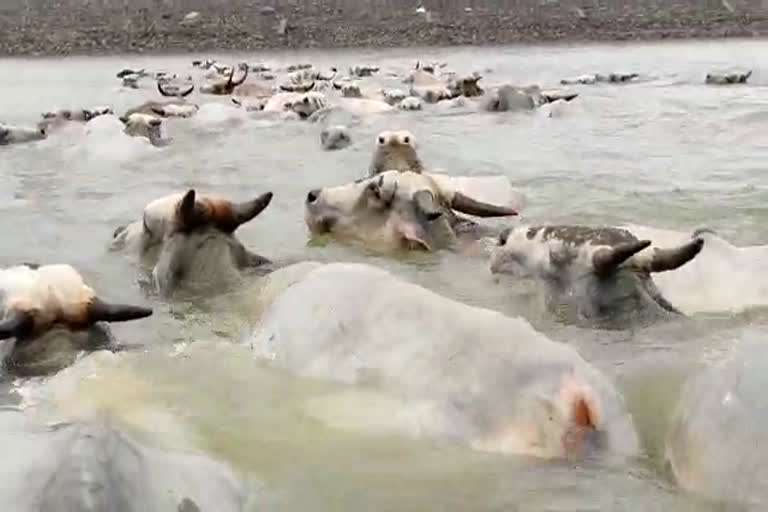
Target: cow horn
x=244, y=212
x=671, y=259
x=470, y=206
x=607, y=260
x=702, y=231
x=16, y=324
x=425, y=201
x=187, y=92
x=100, y=311
x=239, y=82
x=161, y=90
x=190, y=214
x=231, y=76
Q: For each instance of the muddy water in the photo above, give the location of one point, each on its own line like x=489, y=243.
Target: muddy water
x=666, y=153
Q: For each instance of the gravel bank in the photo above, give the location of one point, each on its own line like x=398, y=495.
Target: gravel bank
x=60, y=27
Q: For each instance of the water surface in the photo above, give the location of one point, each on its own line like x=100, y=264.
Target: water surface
x=667, y=152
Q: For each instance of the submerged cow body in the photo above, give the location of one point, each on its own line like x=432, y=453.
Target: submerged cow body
x=335, y=137
x=37, y=299
x=611, y=78
x=727, y=78
x=511, y=98
x=145, y=126
x=20, y=134
x=716, y=443
x=95, y=466
x=601, y=275
x=59, y=118
x=177, y=107
x=395, y=210
x=464, y=374
x=78, y=114
x=224, y=86
x=188, y=235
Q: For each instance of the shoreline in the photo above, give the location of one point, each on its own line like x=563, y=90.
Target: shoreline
x=77, y=31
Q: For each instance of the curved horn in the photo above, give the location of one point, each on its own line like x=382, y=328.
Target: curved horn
x=470, y=206
x=16, y=324
x=239, y=82
x=244, y=212
x=187, y=92
x=701, y=231
x=161, y=90
x=190, y=214
x=425, y=201
x=100, y=311
x=231, y=76
x=670, y=259
x=607, y=260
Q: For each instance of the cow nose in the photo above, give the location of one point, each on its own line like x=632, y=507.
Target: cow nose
x=313, y=195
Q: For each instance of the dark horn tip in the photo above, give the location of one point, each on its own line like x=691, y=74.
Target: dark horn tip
x=100, y=311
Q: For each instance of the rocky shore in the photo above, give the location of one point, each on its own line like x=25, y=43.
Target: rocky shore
x=61, y=27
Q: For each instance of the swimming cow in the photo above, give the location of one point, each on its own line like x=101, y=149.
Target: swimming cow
x=97, y=465
x=603, y=275
x=727, y=78
x=144, y=125
x=20, y=134
x=62, y=117
x=224, y=86
x=177, y=107
x=612, y=78
x=307, y=105
x=335, y=137
x=79, y=114
x=441, y=369
x=715, y=445
x=395, y=210
x=395, y=151
x=36, y=299
x=511, y=98
x=189, y=235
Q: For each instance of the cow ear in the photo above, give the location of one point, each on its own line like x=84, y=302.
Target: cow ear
x=124, y=119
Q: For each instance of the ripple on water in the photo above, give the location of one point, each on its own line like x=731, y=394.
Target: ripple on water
x=668, y=153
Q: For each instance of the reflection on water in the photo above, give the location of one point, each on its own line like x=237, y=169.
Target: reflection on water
x=668, y=153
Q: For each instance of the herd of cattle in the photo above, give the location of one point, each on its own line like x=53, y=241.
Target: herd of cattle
x=307, y=93
x=563, y=408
